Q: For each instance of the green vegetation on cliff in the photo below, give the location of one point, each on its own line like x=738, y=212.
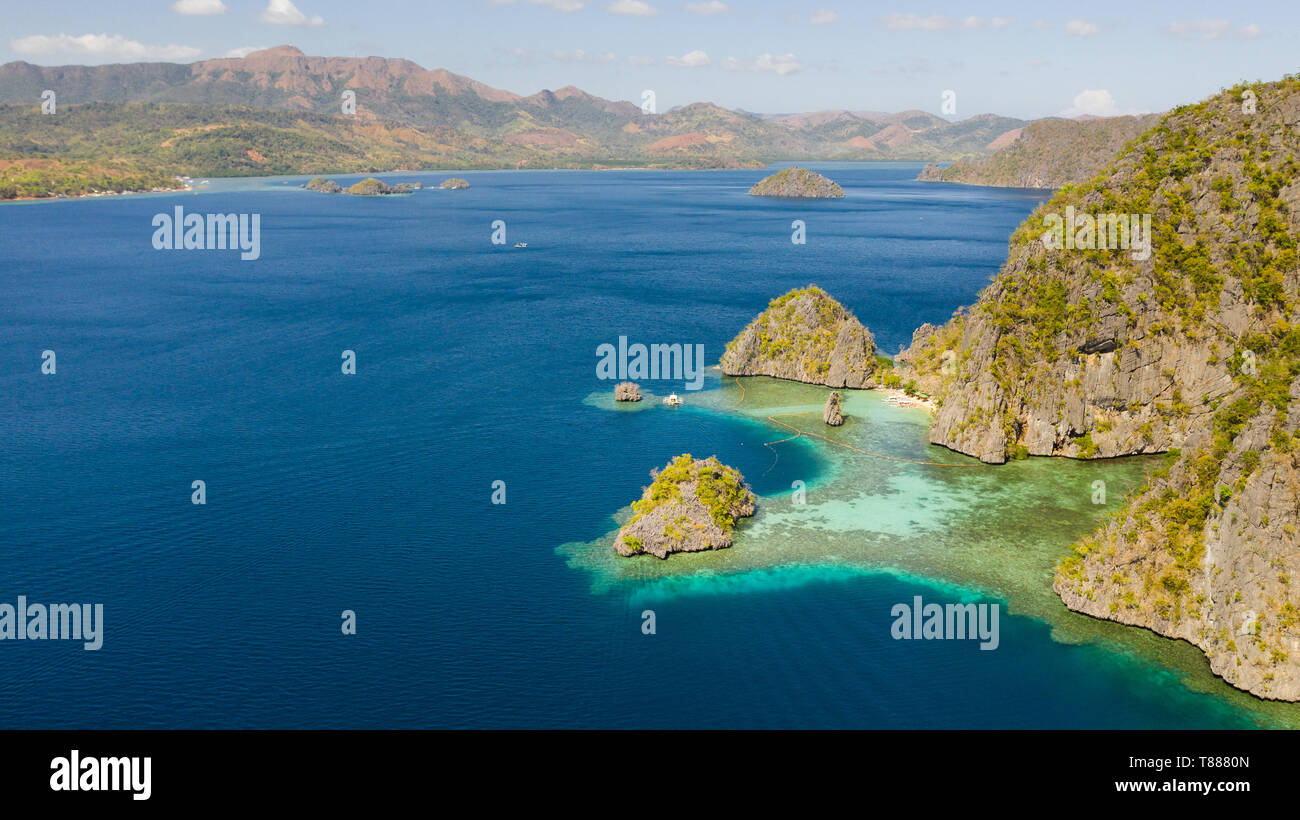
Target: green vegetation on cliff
x=692, y=505
x=804, y=335
x=1192, y=348
x=1048, y=154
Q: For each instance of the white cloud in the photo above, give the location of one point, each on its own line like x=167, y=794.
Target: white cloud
x=1082, y=28
x=635, y=8
x=691, y=59
x=1248, y=32
x=711, y=7
x=940, y=22
x=913, y=22
x=1097, y=102
x=199, y=7
x=244, y=51
x=822, y=17
x=285, y=13
x=1200, y=29
x=106, y=46
x=780, y=64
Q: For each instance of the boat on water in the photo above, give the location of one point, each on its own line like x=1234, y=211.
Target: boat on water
x=673, y=400
x=521, y=244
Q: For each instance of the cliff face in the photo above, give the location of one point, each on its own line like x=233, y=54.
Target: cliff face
x=1047, y=154
x=1190, y=345
x=692, y=505
x=1226, y=585
x=804, y=336
x=797, y=183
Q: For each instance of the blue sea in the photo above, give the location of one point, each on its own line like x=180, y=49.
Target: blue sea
x=475, y=364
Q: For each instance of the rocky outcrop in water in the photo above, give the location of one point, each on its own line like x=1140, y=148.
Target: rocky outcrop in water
x=324, y=186
x=374, y=187
x=627, y=391
x=366, y=187
x=692, y=505
x=797, y=183
x=932, y=172
x=804, y=336
x=1225, y=583
x=832, y=414
x=1190, y=346
x=454, y=184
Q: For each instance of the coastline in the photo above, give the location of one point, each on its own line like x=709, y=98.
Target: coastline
x=872, y=518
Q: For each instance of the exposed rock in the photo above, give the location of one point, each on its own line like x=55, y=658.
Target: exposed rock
x=374, y=187
x=1195, y=350
x=804, y=336
x=932, y=172
x=1226, y=585
x=324, y=186
x=454, y=184
x=797, y=183
x=831, y=414
x=692, y=505
x=627, y=391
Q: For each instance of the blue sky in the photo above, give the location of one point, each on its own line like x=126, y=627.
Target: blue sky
x=1025, y=59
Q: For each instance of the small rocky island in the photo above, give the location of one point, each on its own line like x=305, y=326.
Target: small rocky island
x=627, y=391
x=797, y=183
x=805, y=336
x=324, y=186
x=832, y=414
x=366, y=187
x=454, y=184
x=692, y=505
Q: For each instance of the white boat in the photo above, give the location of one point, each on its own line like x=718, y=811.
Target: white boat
x=521, y=244
x=673, y=400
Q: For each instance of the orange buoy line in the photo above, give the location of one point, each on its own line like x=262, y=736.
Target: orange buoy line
x=798, y=432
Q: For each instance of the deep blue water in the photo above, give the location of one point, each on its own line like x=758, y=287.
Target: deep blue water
x=371, y=492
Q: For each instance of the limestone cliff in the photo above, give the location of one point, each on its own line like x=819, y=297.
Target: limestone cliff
x=804, y=336
x=692, y=505
x=1191, y=348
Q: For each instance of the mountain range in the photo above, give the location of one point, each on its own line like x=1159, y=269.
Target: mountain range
x=436, y=118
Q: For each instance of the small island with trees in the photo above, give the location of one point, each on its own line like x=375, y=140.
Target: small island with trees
x=797, y=183
x=692, y=505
